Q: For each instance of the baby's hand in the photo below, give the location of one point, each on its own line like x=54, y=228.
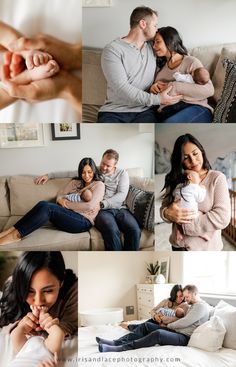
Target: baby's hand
x=46, y=320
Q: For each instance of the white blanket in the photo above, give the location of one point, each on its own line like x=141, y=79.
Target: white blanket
x=59, y=19
x=158, y=356
x=67, y=357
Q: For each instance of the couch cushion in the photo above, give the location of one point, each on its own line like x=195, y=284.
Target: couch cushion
x=144, y=183
x=24, y=193
x=4, y=198
x=48, y=237
x=228, y=315
x=97, y=244
x=225, y=111
x=141, y=205
x=219, y=74
x=94, y=83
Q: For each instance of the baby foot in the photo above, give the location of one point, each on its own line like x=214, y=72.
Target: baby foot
x=38, y=72
x=44, y=71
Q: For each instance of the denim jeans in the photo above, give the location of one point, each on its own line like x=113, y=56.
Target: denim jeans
x=184, y=112
x=110, y=222
x=64, y=219
x=148, y=116
x=149, y=334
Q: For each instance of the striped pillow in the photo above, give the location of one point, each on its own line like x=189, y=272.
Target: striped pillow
x=141, y=205
x=225, y=111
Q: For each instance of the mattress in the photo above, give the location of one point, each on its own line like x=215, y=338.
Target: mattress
x=157, y=356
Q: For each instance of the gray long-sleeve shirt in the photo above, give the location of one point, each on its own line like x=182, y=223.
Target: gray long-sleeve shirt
x=196, y=315
x=129, y=72
x=116, y=186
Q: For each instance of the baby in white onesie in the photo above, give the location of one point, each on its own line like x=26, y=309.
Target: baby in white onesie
x=190, y=194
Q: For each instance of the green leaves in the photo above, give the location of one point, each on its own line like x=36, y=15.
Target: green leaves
x=153, y=268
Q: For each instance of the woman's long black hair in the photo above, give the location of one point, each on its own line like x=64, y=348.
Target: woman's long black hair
x=173, y=43
x=84, y=162
x=13, y=305
x=174, y=291
x=176, y=175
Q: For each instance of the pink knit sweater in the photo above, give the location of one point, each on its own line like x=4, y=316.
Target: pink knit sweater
x=192, y=93
x=214, y=215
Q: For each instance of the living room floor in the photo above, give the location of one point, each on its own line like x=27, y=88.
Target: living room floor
x=162, y=232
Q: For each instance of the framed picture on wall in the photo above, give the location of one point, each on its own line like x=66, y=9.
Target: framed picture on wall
x=21, y=135
x=164, y=268
x=96, y=3
x=65, y=131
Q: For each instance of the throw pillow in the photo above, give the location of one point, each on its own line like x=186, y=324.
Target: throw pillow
x=141, y=205
x=219, y=73
x=208, y=336
x=225, y=111
x=228, y=315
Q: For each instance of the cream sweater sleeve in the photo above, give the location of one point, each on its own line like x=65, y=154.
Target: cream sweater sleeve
x=218, y=216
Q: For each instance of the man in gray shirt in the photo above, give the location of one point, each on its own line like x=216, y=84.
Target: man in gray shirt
x=114, y=217
x=129, y=65
x=149, y=334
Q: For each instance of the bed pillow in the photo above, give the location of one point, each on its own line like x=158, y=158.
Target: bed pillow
x=225, y=111
x=141, y=205
x=208, y=336
x=228, y=315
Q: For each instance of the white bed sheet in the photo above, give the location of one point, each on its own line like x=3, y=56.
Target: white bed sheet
x=59, y=19
x=67, y=358
x=158, y=356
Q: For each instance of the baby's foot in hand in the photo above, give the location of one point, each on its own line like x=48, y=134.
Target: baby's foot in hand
x=44, y=71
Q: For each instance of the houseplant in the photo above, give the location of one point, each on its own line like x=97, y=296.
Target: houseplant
x=152, y=268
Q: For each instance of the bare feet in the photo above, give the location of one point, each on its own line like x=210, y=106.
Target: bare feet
x=10, y=237
x=37, y=73
x=124, y=324
x=4, y=233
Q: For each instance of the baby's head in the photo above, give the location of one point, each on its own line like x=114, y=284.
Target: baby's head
x=86, y=195
x=192, y=176
x=179, y=312
x=201, y=76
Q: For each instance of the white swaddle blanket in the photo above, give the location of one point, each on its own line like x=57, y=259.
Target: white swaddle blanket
x=58, y=19
x=32, y=353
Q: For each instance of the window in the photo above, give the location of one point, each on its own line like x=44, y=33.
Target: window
x=211, y=272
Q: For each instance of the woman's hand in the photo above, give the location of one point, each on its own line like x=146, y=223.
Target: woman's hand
x=158, y=87
x=179, y=215
x=158, y=318
x=63, y=202
x=46, y=320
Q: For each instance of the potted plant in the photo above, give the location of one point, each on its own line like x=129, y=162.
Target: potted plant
x=152, y=268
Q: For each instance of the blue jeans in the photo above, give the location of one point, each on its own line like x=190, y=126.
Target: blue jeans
x=110, y=222
x=148, y=116
x=149, y=334
x=184, y=112
x=64, y=219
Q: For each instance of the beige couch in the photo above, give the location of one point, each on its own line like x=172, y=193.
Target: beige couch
x=18, y=194
x=94, y=84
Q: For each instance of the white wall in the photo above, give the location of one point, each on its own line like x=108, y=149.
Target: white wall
x=200, y=22
x=135, y=148
x=109, y=280
x=217, y=139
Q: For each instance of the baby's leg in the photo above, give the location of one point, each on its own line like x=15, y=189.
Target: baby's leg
x=38, y=72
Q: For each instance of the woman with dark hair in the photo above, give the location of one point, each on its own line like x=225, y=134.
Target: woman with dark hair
x=172, y=58
x=176, y=300
x=72, y=217
x=41, y=295
x=204, y=231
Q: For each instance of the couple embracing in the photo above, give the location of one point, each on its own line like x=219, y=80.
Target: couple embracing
x=151, y=78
